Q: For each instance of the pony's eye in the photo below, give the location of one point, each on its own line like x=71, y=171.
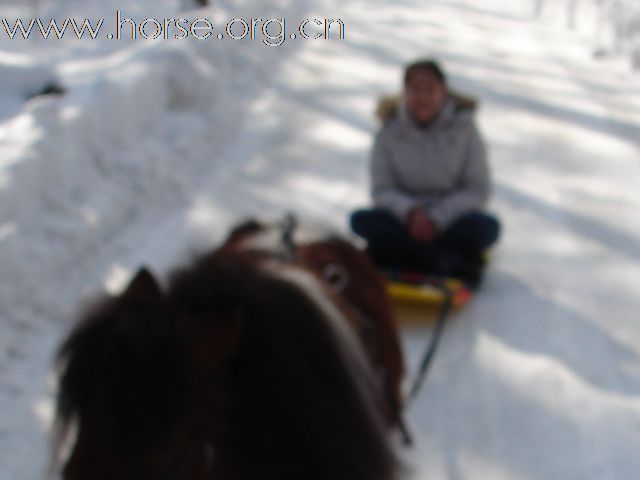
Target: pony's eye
x=336, y=276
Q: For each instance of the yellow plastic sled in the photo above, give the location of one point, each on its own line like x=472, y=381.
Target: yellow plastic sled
x=421, y=303
x=430, y=294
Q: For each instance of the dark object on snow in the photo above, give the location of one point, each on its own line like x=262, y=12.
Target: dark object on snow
x=52, y=88
x=258, y=360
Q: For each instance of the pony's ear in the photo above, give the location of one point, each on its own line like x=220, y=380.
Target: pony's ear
x=248, y=226
x=143, y=287
x=239, y=232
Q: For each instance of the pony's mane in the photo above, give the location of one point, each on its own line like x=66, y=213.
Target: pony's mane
x=298, y=411
x=123, y=366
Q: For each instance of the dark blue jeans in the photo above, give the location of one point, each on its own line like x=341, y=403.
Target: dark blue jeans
x=452, y=252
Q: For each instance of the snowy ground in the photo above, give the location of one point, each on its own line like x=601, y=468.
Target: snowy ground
x=157, y=148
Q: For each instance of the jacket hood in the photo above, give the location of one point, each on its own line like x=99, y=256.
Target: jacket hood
x=390, y=106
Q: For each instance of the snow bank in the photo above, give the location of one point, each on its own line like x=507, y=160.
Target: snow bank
x=85, y=176
x=20, y=79
x=623, y=20
x=67, y=182
x=124, y=145
x=611, y=27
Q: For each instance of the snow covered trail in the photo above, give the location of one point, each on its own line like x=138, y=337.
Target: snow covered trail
x=539, y=378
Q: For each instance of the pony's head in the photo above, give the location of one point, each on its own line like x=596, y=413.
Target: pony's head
x=297, y=396
x=243, y=368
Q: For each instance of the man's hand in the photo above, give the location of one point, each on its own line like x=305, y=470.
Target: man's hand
x=421, y=227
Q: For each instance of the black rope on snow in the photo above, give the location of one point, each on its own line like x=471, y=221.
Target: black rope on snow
x=430, y=352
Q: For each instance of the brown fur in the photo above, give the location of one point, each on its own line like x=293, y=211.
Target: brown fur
x=387, y=106
x=232, y=373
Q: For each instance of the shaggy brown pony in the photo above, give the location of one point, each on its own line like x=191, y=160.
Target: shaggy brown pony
x=245, y=367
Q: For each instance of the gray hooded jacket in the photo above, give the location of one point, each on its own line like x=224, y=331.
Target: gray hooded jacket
x=441, y=168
